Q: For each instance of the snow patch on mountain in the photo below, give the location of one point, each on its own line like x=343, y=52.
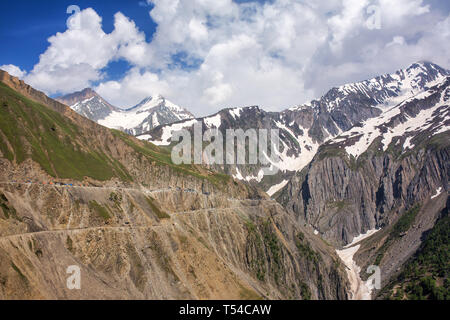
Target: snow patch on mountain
x=371, y=129
x=360, y=290
x=235, y=113
x=438, y=192
x=148, y=114
x=213, y=122
x=277, y=187
x=295, y=163
x=166, y=136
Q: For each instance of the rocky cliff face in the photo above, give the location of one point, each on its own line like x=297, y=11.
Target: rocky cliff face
x=164, y=244
x=362, y=179
x=88, y=104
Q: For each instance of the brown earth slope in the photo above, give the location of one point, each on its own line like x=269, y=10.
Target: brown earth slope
x=139, y=227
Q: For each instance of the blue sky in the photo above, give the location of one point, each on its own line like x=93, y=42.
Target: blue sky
x=210, y=54
x=26, y=25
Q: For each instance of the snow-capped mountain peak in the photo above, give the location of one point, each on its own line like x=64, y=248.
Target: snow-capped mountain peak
x=148, y=103
x=89, y=104
x=149, y=113
x=382, y=91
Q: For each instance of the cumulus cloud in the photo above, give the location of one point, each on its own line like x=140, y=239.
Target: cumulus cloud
x=210, y=54
x=76, y=57
x=13, y=70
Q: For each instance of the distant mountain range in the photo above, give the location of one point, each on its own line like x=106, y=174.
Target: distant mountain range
x=357, y=107
x=148, y=114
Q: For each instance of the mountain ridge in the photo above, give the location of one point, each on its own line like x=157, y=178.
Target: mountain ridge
x=305, y=128
x=149, y=113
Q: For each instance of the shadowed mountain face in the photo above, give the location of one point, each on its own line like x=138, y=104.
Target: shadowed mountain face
x=89, y=104
x=148, y=114
x=75, y=193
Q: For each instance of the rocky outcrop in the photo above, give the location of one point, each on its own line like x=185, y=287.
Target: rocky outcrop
x=88, y=104
x=342, y=198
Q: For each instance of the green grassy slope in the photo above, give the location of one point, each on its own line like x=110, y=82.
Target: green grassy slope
x=66, y=149
x=426, y=275
x=31, y=130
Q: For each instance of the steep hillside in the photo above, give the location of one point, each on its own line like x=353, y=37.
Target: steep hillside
x=137, y=225
x=161, y=244
x=426, y=273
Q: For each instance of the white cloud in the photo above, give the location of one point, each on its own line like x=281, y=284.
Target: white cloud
x=277, y=54
x=13, y=70
x=133, y=87
x=396, y=41
x=76, y=57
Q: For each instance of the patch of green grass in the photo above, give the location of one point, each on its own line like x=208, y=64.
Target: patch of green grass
x=69, y=244
x=100, y=210
x=426, y=274
x=257, y=264
x=339, y=205
x=203, y=242
x=331, y=152
x=52, y=140
x=162, y=156
x=159, y=213
x=21, y=275
x=404, y=223
x=304, y=248
x=8, y=210
x=305, y=291
x=272, y=243
x=247, y=294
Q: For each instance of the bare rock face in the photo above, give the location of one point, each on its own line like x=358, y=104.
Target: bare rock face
x=129, y=244
x=343, y=200
x=371, y=174
x=89, y=104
